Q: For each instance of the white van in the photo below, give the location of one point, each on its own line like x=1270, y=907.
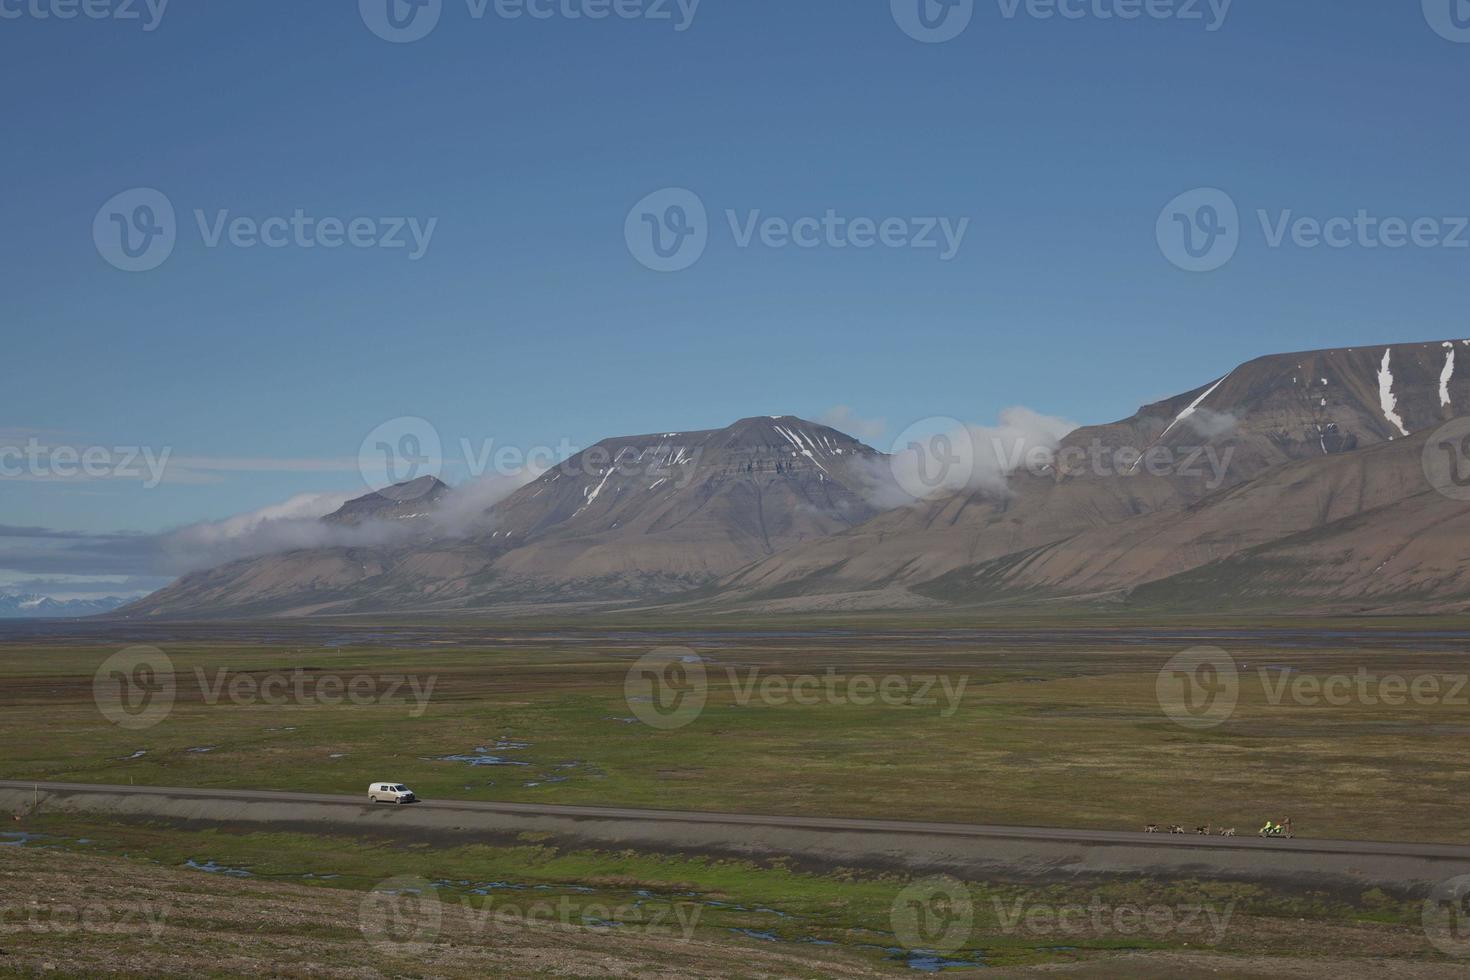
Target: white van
x=390, y=793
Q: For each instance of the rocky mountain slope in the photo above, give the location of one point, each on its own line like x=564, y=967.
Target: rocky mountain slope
x=1183, y=483
x=405, y=501
x=1293, y=479
x=630, y=517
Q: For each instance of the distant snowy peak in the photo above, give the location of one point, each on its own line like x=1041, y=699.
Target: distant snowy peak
x=30, y=606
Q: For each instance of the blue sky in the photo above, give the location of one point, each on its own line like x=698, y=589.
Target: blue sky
x=528, y=321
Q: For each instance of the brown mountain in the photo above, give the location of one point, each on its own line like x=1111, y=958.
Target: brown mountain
x=631, y=517
x=1228, y=452
x=1293, y=482
x=404, y=501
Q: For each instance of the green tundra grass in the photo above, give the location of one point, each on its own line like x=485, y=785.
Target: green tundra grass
x=1015, y=731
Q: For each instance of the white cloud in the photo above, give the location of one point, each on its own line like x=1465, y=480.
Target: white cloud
x=962, y=458
x=1211, y=424
x=844, y=419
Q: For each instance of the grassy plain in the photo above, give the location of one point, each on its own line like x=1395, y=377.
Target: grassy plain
x=513, y=906
x=1027, y=726
x=1045, y=732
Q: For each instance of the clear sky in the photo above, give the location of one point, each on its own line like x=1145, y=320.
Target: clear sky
x=529, y=320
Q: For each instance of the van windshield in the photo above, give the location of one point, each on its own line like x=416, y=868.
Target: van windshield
x=400, y=789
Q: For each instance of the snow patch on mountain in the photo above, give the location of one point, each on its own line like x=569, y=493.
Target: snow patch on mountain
x=1446, y=375
x=1386, y=397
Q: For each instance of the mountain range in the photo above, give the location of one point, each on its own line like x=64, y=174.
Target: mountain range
x=29, y=606
x=1295, y=482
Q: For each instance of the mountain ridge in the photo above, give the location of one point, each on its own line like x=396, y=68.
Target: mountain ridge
x=778, y=512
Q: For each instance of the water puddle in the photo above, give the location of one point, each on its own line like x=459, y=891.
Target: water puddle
x=931, y=962
x=209, y=867
x=480, y=757
x=548, y=779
